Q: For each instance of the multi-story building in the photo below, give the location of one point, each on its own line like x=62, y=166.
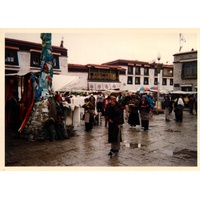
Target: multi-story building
x=140, y=73
x=185, y=71
x=95, y=77
x=23, y=57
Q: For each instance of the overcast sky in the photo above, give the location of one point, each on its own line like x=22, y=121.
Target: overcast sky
x=96, y=46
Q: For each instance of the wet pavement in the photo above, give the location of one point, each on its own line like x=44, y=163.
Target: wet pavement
x=165, y=144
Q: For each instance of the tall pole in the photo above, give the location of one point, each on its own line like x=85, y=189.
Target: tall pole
x=158, y=82
x=159, y=67
x=46, y=70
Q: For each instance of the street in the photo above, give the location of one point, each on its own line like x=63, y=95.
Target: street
x=165, y=144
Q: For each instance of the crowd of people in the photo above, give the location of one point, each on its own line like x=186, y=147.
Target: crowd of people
x=117, y=108
x=134, y=108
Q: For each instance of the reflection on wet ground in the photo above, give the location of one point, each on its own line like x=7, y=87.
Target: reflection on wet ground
x=164, y=144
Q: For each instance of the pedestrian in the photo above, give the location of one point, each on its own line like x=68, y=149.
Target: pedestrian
x=59, y=124
x=127, y=98
x=171, y=103
x=92, y=100
x=114, y=115
x=191, y=104
x=88, y=114
x=13, y=111
x=144, y=109
x=67, y=97
x=162, y=99
x=152, y=104
x=105, y=103
x=133, y=119
x=121, y=100
x=49, y=124
x=195, y=103
x=100, y=99
x=179, y=106
x=167, y=105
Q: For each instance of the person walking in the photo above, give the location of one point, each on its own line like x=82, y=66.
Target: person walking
x=191, y=104
x=114, y=115
x=88, y=114
x=195, y=103
x=152, y=104
x=167, y=105
x=100, y=99
x=144, y=108
x=105, y=103
x=59, y=124
x=179, y=109
x=133, y=119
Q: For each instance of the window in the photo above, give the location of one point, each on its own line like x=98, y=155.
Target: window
x=187, y=89
x=130, y=80
x=146, y=71
x=137, y=80
x=189, y=70
x=171, y=81
x=155, y=81
x=103, y=74
x=168, y=72
x=137, y=70
x=146, y=81
x=130, y=70
x=56, y=62
x=11, y=57
x=164, y=81
x=155, y=72
x=35, y=59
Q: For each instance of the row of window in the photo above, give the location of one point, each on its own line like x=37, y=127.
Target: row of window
x=146, y=81
x=165, y=71
x=11, y=58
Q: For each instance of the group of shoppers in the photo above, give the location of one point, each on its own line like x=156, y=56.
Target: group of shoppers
x=138, y=109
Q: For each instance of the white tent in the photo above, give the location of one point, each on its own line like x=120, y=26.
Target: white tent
x=183, y=92
x=62, y=82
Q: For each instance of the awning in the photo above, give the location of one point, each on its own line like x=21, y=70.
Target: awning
x=17, y=74
x=183, y=92
x=62, y=82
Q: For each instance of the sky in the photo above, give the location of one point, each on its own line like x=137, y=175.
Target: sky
x=100, y=45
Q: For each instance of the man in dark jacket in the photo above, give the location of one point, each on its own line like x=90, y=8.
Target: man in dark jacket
x=114, y=115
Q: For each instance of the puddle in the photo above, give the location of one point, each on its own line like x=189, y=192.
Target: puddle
x=133, y=145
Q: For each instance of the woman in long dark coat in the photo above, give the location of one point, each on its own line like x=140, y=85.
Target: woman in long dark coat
x=114, y=115
x=179, y=106
x=144, y=112
x=133, y=119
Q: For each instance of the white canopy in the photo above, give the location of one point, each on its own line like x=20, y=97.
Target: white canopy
x=183, y=92
x=62, y=82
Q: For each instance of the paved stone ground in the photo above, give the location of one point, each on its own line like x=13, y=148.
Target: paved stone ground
x=166, y=144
